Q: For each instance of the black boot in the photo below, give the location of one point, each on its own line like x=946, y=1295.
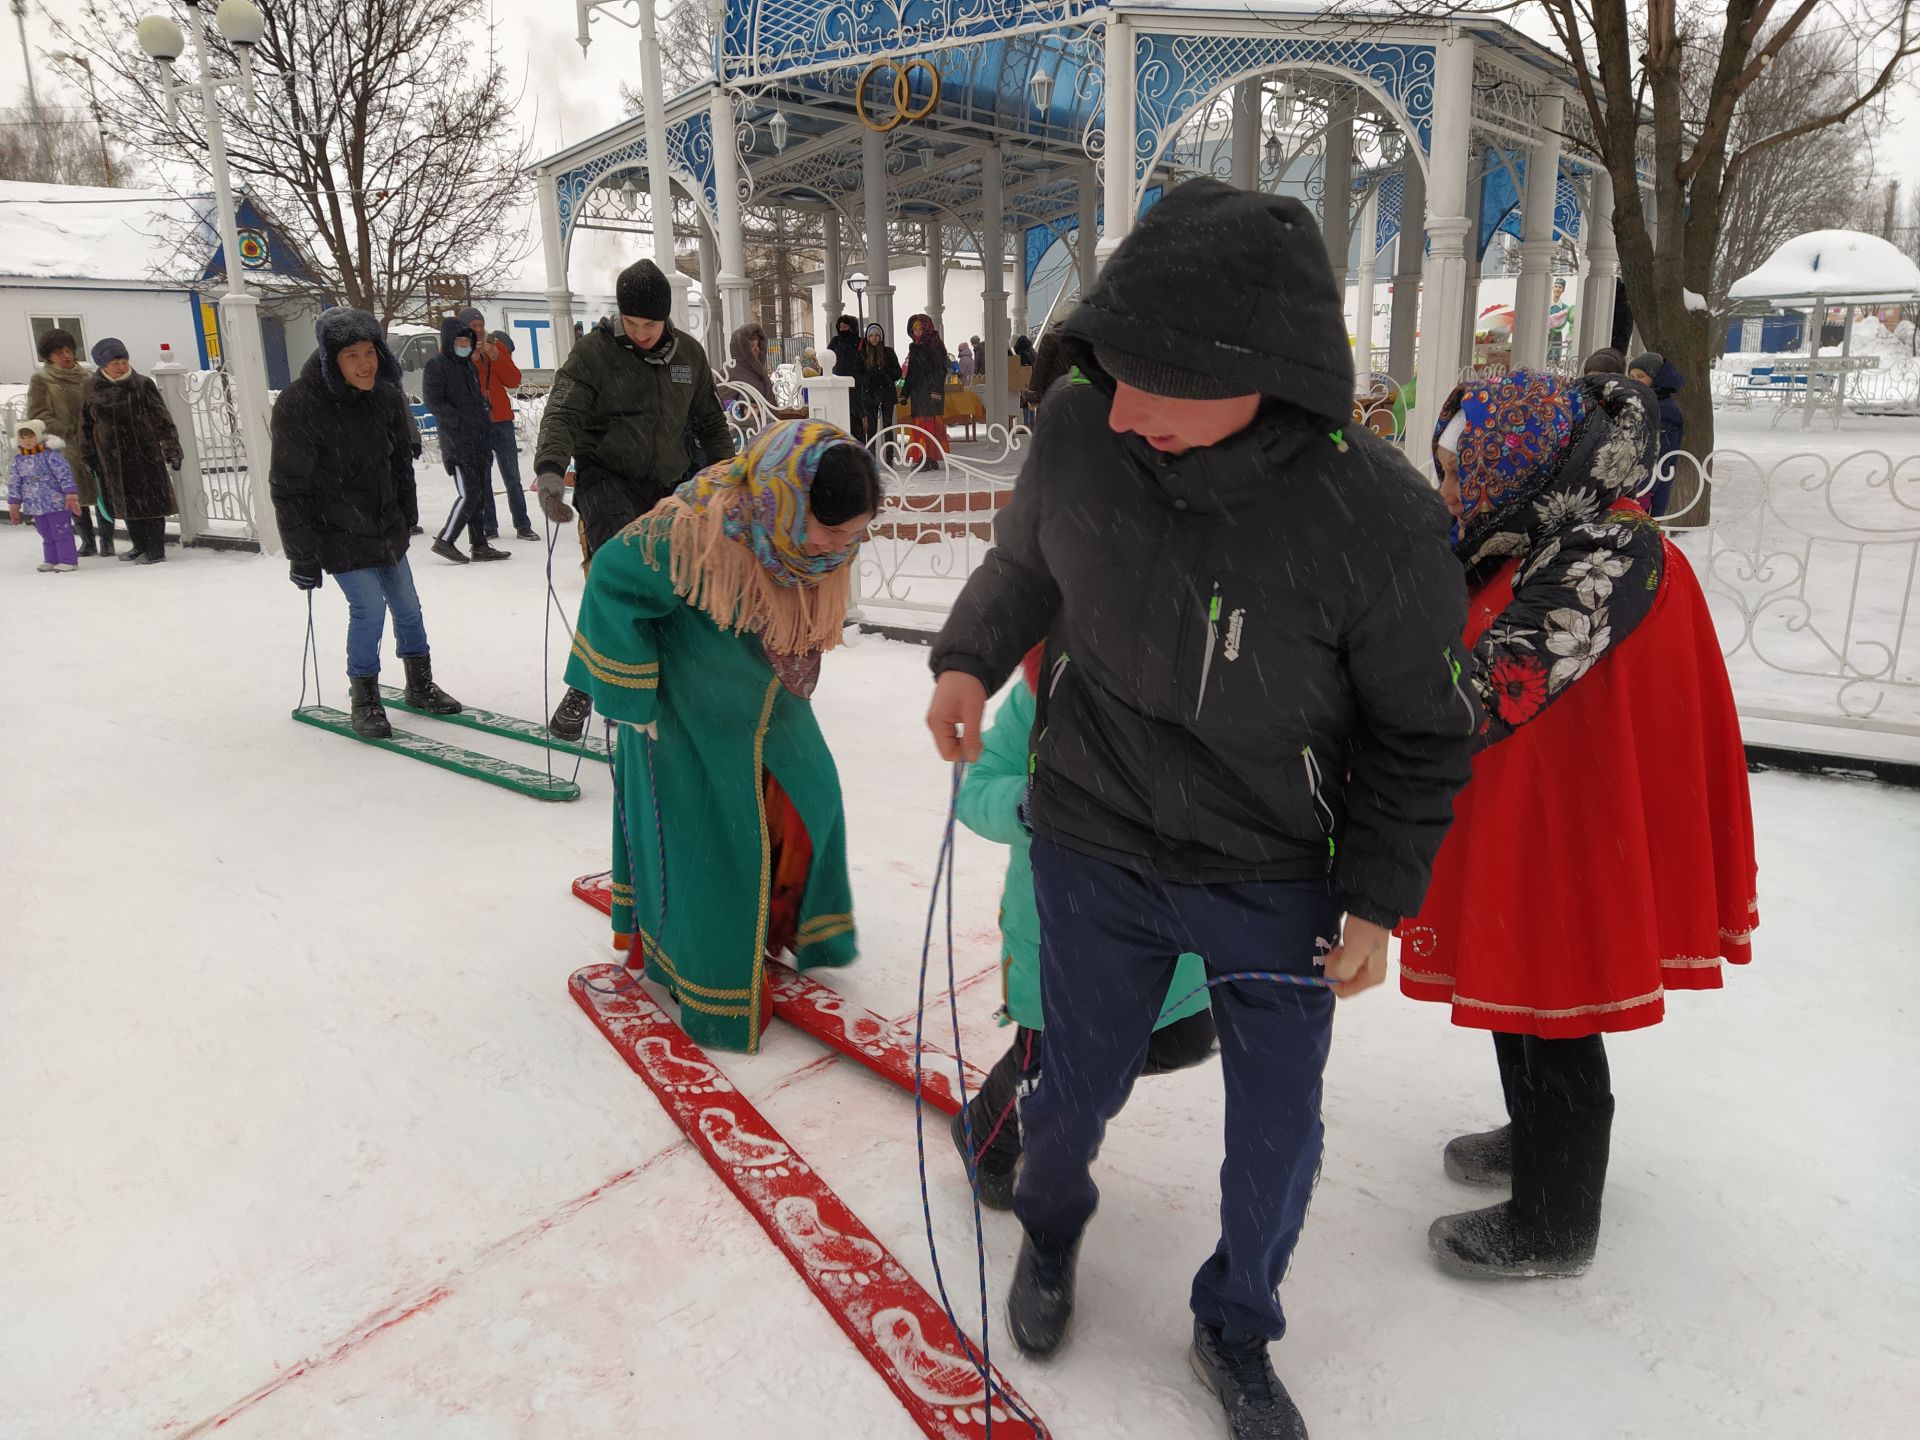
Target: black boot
x=106, y=537
x=369, y=715
x=83, y=525
x=1551, y=1227
x=422, y=693
x=569, y=720
x=447, y=550
x=525, y=532
x=1242, y=1380
x=485, y=549
x=993, y=1176
x=1482, y=1159
x=1040, y=1301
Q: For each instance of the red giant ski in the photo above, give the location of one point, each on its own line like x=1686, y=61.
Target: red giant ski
x=881, y=1045
x=897, y=1325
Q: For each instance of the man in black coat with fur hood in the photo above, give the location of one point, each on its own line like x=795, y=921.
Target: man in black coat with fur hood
x=1251, y=722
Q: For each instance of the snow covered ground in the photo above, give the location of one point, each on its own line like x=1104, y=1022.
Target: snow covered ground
x=302, y=1132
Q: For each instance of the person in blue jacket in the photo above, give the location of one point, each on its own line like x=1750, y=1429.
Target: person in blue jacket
x=993, y=805
x=1662, y=376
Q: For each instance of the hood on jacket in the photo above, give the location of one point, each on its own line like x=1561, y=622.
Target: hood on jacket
x=1229, y=285
x=929, y=333
x=39, y=429
x=451, y=330
x=851, y=322
x=1540, y=452
x=340, y=327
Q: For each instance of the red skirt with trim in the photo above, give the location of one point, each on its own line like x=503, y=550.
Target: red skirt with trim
x=1603, y=853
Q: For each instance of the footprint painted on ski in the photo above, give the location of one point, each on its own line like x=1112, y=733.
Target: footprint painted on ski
x=837, y=1258
x=862, y=1028
x=683, y=1077
x=950, y=1383
x=744, y=1150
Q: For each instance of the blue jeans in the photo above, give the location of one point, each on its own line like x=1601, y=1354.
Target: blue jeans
x=1109, y=939
x=506, y=454
x=370, y=594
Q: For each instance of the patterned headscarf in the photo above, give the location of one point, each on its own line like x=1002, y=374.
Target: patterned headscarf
x=763, y=493
x=1518, y=427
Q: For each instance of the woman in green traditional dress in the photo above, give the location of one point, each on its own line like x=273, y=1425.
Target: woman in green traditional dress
x=702, y=629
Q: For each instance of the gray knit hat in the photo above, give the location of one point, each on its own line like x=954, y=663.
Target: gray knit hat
x=106, y=351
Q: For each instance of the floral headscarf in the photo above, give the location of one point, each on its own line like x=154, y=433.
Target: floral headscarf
x=762, y=494
x=1518, y=426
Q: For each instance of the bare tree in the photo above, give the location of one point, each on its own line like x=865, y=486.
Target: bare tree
x=1798, y=185
x=1660, y=83
x=686, y=53
x=382, y=136
x=77, y=151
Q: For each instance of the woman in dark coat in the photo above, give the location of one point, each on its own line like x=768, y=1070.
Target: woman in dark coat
x=452, y=391
x=128, y=441
x=343, y=493
x=876, y=391
x=927, y=370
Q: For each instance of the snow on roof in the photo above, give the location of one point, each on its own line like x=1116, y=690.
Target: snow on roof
x=1836, y=265
x=77, y=232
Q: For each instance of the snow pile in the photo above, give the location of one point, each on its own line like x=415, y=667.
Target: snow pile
x=76, y=232
x=1832, y=265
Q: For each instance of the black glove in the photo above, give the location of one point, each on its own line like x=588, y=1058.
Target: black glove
x=303, y=577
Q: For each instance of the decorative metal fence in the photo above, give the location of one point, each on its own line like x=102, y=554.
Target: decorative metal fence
x=225, y=493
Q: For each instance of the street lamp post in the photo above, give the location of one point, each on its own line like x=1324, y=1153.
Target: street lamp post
x=857, y=283
x=242, y=353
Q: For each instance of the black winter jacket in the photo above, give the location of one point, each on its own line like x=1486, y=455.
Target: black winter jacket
x=451, y=390
x=845, y=346
x=342, y=476
x=1253, y=649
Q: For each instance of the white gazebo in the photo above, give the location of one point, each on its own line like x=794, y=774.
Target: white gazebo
x=919, y=129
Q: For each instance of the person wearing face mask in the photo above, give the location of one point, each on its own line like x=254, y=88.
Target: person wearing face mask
x=127, y=439
x=493, y=363
x=343, y=493
x=1250, y=723
x=700, y=637
x=1595, y=863
x=623, y=408
x=452, y=391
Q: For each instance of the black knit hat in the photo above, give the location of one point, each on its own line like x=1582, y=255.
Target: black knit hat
x=57, y=339
x=1604, y=361
x=1156, y=377
x=643, y=292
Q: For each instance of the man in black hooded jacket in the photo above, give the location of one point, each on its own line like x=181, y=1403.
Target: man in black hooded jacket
x=452, y=391
x=1250, y=721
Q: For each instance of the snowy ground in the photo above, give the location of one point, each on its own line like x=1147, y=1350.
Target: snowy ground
x=303, y=1133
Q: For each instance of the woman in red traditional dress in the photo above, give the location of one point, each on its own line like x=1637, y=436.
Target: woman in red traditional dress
x=1603, y=853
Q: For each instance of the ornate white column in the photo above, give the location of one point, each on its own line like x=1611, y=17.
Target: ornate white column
x=1363, y=290
x=554, y=246
x=993, y=292
x=1404, y=328
x=1246, y=134
x=936, y=275
x=734, y=290
x=1445, y=280
x=712, y=337
x=1019, y=283
x=659, y=183
x=1119, y=198
x=873, y=165
x=1603, y=265
x=833, y=288
x=1336, y=198
x=1534, y=295
x=1086, y=239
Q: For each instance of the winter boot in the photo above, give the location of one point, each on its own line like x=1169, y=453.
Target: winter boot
x=447, y=550
x=993, y=1176
x=1482, y=1159
x=83, y=526
x=422, y=693
x=487, y=550
x=1040, y=1300
x=106, y=537
x=569, y=720
x=1242, y=1380
x=369, y=715
x=1551, y=1227
x=525, y=532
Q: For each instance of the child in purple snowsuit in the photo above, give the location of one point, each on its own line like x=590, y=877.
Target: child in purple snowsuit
x=41, y=485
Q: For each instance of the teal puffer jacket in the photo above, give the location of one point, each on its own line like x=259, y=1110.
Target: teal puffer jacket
x=990, y=807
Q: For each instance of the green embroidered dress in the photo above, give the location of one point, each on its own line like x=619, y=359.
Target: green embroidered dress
x=725, y=720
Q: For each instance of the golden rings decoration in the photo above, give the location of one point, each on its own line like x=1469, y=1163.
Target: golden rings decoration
x=903, y=107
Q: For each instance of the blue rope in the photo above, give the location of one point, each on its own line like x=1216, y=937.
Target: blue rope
x=979, y=1356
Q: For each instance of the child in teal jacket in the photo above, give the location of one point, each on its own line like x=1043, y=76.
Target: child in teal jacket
x=991, y=805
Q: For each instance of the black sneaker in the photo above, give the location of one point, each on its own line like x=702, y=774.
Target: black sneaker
x=569, y=720
x=1242, y=1380
x=994, y=1176
x=1040, y=1301
x=485, y=551
x=447, y=550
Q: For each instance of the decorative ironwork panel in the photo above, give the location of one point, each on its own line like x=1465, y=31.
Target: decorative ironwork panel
x=1386, y=221
x=689, y=161
x=1566, y=209
x=777, y=37
x=1176, y=74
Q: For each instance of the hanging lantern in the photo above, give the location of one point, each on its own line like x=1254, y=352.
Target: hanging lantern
x=1272, y=152
x=629, y=194
x=777, y=130
x=1042, y=87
